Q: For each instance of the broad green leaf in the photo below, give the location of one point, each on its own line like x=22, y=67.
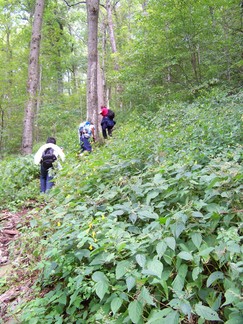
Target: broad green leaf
x=185, y=255
x=157, y=316
x=63, y=299
x=121, y=268
x=145, y=297
x=195, y=273
x=206, y=252
x=141, y=260
x=183, y=269
x=116, y=304
x=231, y=295
x=158, y=178
x=100, y=258
x=154, y=268
x=101, y=288
x=217, y=303
x=151, y=195
x=99, y=276
x=161, y=248
x=165, y=287
x=178, y=283
x=177, y=229
x=233, y=247
x=133, y=217
x=147, y=214
x=82, y=253
x=131, y=282
x=197, y=214
x=196, y=239
x=206, y=313
x=135, y=311
x=235, y=318
x=117, y=213
x=186, y=308
x=171, y=243
x=73, y=297
x=214, y=276
x=172, y=318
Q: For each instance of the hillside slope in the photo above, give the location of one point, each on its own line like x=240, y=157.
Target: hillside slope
x=147, y=228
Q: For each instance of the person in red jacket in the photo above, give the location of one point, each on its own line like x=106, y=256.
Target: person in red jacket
x=107, y=123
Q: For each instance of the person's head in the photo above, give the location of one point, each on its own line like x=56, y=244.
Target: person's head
x=104, y=111
x=51, y=140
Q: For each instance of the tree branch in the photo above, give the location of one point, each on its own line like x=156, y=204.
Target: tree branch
x=80, y=2
x=75, y=4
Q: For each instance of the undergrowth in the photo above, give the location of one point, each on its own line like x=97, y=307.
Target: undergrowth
x=148, y=228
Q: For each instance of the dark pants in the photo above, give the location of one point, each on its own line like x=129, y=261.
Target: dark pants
x=107, y=125
x=46, y=181
x=85, y=144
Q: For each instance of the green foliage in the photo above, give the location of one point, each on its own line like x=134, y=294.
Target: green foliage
x=18, y=182
x=147, y=229
x=179, y=46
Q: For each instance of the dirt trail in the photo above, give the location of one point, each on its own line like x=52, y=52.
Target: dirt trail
x=21, y=286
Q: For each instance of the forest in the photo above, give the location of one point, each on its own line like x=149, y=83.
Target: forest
x=148, y=227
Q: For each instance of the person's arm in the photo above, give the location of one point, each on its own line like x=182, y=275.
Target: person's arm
x=93, y=133
x=59, y=152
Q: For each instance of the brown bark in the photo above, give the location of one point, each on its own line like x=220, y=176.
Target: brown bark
x=33, y=78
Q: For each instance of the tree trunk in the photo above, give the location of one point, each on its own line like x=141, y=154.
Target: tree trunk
x=33, y=78
x=111, y=32
x=1, y=128
x=92, y=89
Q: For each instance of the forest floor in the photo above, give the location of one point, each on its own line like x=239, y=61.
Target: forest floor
x=13, y=267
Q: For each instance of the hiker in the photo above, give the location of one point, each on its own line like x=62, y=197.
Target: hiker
x=46, y=156
x=86, y=131
x=107, y=122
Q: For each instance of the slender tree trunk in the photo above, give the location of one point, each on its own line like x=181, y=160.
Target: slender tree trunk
x=102, y=83
x=1, y=128
x=33, y=78
x=92, y=88
x=111, y=32
x=38, y=105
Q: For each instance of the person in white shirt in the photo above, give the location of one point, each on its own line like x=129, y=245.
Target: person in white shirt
x=46, y=156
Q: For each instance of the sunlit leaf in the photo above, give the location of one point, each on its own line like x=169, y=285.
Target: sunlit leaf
x=121, y=268
x=161, y=248
x=171, y=243
x=135, y=311
x=197, y=239
x=116, y=304
x=141, y=260
x=101, y=289
x=185, y=255
x=131, y=282
x=145, y=297
x=214, y=276
x=206, y=313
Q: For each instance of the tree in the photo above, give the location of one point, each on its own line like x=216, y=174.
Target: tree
x=92, y=89
x=33, y=78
